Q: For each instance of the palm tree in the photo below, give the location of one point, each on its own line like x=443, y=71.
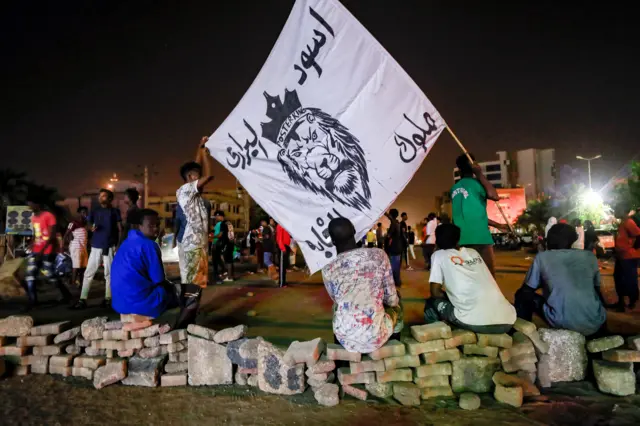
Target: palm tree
x=536, y=215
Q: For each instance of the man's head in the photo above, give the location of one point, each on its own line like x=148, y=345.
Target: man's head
x=131, y=196
x=431, y=217
x=34, y=203
x=408, y=228
x=219, y=214
x=83, y=212
x=577, y=222
x=264, y=221
x=272, y=221
x=393, y=213
x=404, y=216
x=105, y=197
x=149, y=223
x=561, y=237
x=447, y=236
x=463, y=164
x=191, y=171
x=342, y=234
x=588, y=225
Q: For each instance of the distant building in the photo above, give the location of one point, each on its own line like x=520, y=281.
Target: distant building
x=531, y=169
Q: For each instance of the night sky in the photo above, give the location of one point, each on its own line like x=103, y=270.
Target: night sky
x=93, y=88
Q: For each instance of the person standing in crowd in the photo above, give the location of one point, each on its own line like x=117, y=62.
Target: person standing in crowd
x=131, y=197
x=259, y=249
x=283, y=240
x=380, y=236
x=43, y=253
x=625, y=272
x=552, y=221
x=218, y=246
x=429, y=245
x=371, y=239
x=106, y=224
x=268, y=247
x=469, y=204
x=405, y=240
x=396, y=245
x=195, y=267
x=411, y=240
x=579, y=244
x=77, y=238
x=591, y=239
x=293, y=256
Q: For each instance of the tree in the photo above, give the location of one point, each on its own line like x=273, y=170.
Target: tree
x=576, y=201
x=257, y=213
x=536, y=214
x=627, y=195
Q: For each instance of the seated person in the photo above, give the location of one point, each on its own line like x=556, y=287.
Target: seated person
x=360, y=283
x=138, y=281
x=570, y=282
x=463, y=291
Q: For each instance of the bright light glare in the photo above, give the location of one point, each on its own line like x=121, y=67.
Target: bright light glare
x=592, y=198
x=109, y=186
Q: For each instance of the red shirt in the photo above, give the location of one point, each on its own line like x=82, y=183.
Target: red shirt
x=282, y=238
x=627, y=233
x=42, y=224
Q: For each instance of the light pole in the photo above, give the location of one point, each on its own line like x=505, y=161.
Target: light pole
x=589, y=160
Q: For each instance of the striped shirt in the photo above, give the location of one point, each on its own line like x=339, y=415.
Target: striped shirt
x=79, y=233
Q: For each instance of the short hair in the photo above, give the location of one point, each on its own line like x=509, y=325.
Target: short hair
x=447, y=236
x=403, y=214
x=393, y=213
x=561, y=237
x=464, y=165
x=189, y=167
x=82, y=209
x=133, y=194
x=409, y=228
x=588, y=224
x=577, y=222
x=108, y=192
x=379, y=224
x=141, y=214
x=219, y=213
x=341, y=230
x=431, y=216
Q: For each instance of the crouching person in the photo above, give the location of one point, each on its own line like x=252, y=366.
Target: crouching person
x=570, y=283
x=366, y=310
x=138, y=279
x=463, y=291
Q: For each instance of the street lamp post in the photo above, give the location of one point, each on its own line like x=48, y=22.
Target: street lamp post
x=589, y=160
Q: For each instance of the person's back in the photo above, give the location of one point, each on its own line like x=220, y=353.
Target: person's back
x=469, y=211
x=569, y=280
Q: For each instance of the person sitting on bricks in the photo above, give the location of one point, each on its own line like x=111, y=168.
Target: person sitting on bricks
x=366, y=310
x=463, y=290
x=138, y=280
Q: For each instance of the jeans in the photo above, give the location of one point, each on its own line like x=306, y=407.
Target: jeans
x=268, y=259
x=396, y=262
x=441, y=309
x=37, y=262
x=625, y=276
x=284, y=264
x=96, y=257
x=427, y=251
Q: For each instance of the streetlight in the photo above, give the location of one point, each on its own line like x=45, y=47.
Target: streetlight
x=589, y=160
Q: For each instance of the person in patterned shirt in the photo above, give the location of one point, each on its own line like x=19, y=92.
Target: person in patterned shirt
x=360, y=282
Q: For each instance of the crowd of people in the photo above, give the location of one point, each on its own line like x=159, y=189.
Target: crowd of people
x=364, y=278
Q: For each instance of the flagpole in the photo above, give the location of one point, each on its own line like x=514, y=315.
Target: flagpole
x=464, y=150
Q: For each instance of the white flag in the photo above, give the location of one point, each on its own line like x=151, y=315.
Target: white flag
x=332, y=126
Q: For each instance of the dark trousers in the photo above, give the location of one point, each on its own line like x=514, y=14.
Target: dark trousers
x=187, y=298
x=427, y=251
x=218, y=263
x=396, y=263
x=625, y=276
x=371, y=245
x=441, y=309
x=527, y=302
x=37, y=262
x=284, y=264
x=405, y=256
x=260, y=255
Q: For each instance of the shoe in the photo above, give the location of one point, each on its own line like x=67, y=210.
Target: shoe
x=80, y=304
x=631, y=305
x=228, y=280
x=106, y=303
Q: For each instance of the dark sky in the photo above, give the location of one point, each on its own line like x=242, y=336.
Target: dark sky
x=92, y=88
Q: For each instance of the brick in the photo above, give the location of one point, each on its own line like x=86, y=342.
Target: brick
x=133, y=344
x=127, y=353
x=318, y=376
x=240, y=379
x=304, y=352
x=164, y=328
x=179, y=356
x=176, y=367
x=110, y=353
x=38, y=359
x=173, y=336
x=40, y=369
x=540, y=345
x=529, y=329
x=73, y=350
x=322, y=366
x=115, y=334
x=525, y=327
x=338, y=353
x=91, y=362
x=113, y=325
x=61, y=360
x=498, y=340
x=134, y=326
x=169, y=380
x=524, y=348
x=441, y=356
x=200, y=331
x=404, y=361
x=114, y=345
x=146, y=332
x=152, y=342
x=389, y=349
x=530, y=376
x=53, y=328
x=473, y=374
x=460, y=337
x=401, y=375
x=17, y=360
x=83, y=343
x=566, y=360
x=34, y=340
x=443, y=391
x=13, y=350
x=434, y=331
x=48, y=350
x=61, y=370
x=153, y=352
x=144, y=371
x=407, y=394
x=604, y=344
x=621, y=355
x=208, y=363
x=508, y=380
x=520, y=362
x=16, y=326
x=346, y=378
x=3, y=340
x=633, y=343
x=366, y=365
x=230, y=334
x=84, y=372
x=274, y=375
x=176, y=347
x=440, y=369
x=355, y=392
x=469, y=401
x=110, y=374
x=22, y=370
x=488, y=351
x=509, y=395
x=127, y=318
x=380, y=390
x=93, y=328
x=327, y=395
x=250, y=370
x=432, y=381
x=253, y=380
x=115, y=360
x=95, y=352
x=416, y=348
x=244, y=352
x=615, y=378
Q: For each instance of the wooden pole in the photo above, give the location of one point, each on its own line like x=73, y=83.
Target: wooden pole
x=464, y=150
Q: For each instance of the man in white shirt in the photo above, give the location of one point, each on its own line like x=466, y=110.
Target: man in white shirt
x=579, y=243
x=429, y=244
x=463, y=291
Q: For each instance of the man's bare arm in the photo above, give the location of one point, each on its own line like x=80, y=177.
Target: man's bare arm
x=436, y=291
x=492, y=194
x=206, y=164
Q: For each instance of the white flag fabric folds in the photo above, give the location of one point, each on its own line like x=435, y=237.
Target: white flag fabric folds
x=331, y=126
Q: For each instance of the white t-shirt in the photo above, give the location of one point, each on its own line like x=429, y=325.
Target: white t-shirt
x=431, y=231
x=471, y=288
x=579, y=244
